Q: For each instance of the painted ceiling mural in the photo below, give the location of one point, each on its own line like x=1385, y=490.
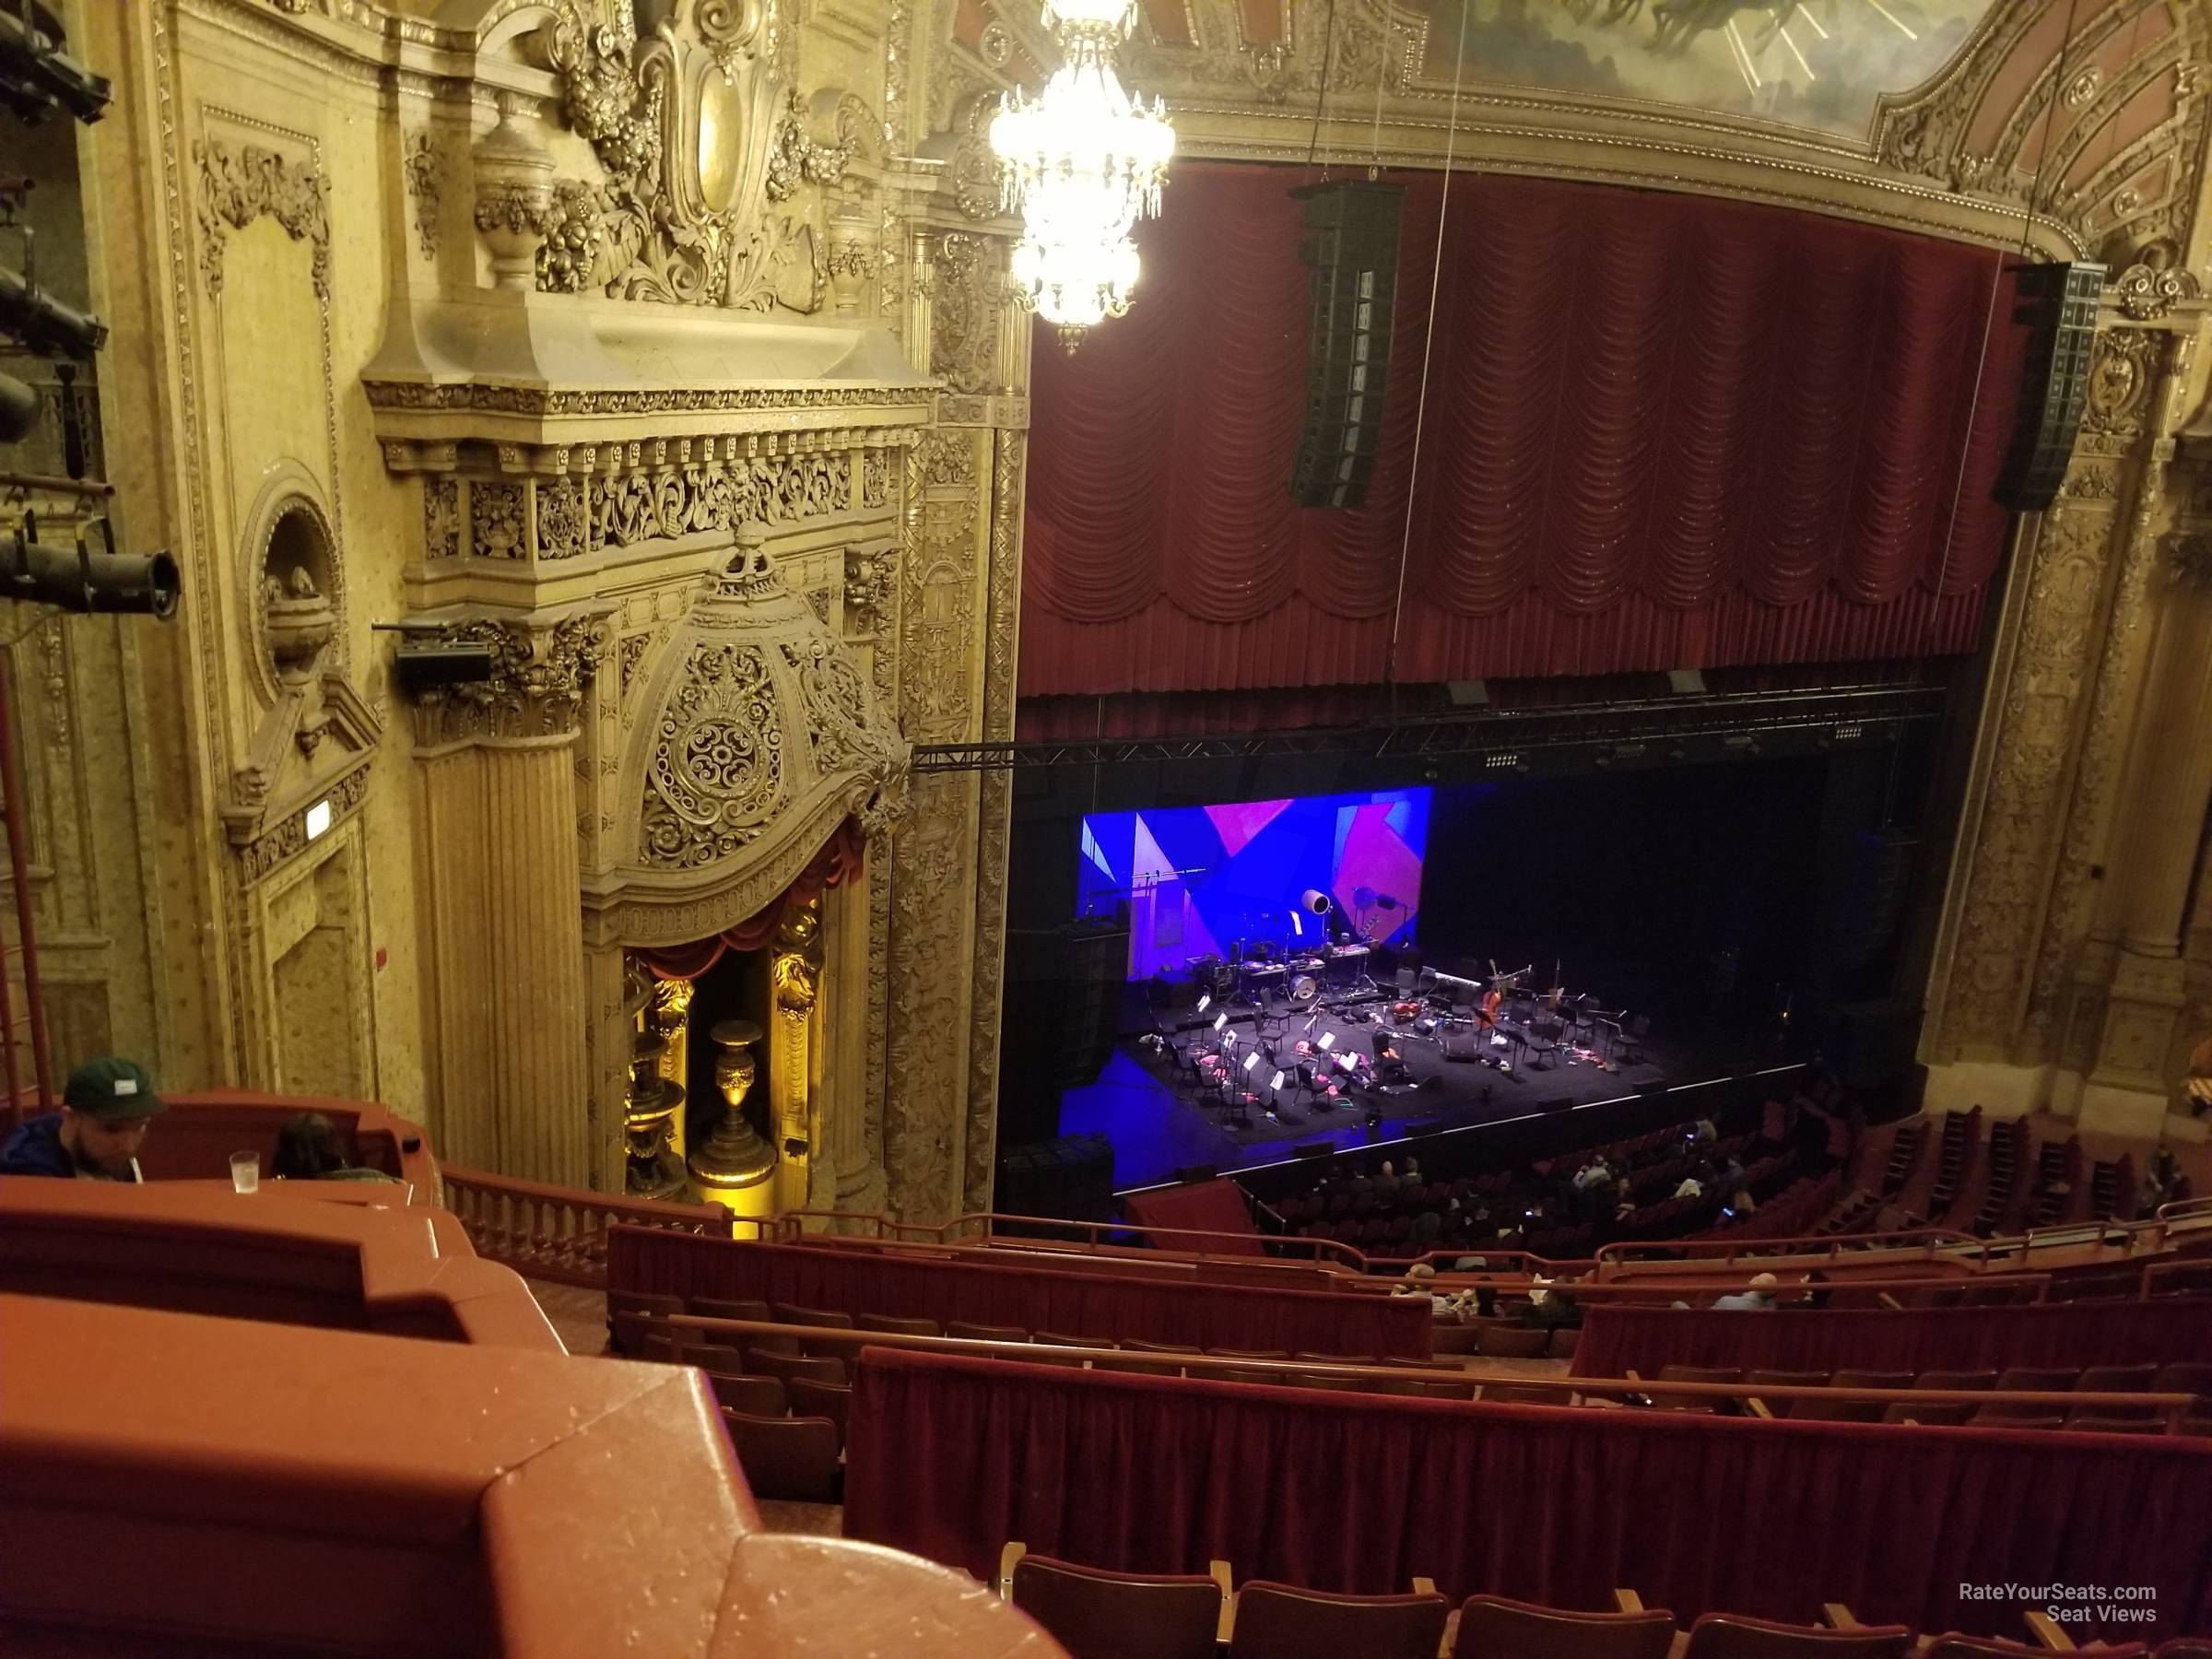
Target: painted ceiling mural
x=1817, y=64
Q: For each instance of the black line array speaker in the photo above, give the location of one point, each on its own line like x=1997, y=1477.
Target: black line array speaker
x=2061, y=301
x=1351, y=247
x=1060, y=1012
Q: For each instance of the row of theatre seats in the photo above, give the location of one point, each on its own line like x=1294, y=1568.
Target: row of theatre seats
x=1098, y=1615
x=2179, y=1378
x=1130, y=1458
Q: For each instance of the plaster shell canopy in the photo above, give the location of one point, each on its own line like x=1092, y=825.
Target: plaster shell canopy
x=760, y=735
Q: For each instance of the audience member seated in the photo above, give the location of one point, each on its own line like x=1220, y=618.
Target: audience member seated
x=106, y=1106
x=309, y=1147
x=1758, y=1298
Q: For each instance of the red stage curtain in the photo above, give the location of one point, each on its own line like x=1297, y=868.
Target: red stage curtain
x=1213, y=1206
x=1662, y=430
x=1072, y=1304
x=950, y=1457
x=1617, y=1340
x=838, y=862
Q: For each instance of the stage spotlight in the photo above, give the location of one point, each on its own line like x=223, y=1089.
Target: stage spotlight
x=42, y=324
x=38, y=77
x=1315, y=903
x=20, y=409
x=84, y=580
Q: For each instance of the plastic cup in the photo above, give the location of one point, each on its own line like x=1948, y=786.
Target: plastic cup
x=245, y=1171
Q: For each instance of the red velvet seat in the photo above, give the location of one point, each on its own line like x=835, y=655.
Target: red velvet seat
x=1491, y=1626
x=1097, y=1614
x=832, y=1400
x=630, y=1313
x=1786, y=1379
x=765, y=1362
x=1851, y=1411
x=1990, y=1647
x=715, y=1307
x=893, y=1326
x=1693, y=1373
x=790, y=1458
x=1724, y=1636
x=985, y=1333
x=756, y=1397
x=1515, y=1342
x=1280, y=1621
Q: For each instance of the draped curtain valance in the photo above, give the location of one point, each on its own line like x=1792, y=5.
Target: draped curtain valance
x=1661, y=431
x=838, y=862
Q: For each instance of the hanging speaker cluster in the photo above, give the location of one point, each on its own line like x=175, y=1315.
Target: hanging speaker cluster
x=1351, y=247
x=2061, y=301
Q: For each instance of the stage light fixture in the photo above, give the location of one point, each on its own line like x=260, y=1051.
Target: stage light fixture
x=80, y=579
x=42, y=324
x=38, y=77
x=19, y=408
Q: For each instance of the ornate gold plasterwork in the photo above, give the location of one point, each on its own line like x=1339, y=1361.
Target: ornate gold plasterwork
x=698, y=149
x=763, y=717
x=239, y=186
x=287, y=839
x=541, y=669
x=487, y=398
x=2189, y=557
x=2150, y=289
x=795, y=969
x=965, y=315
x=423, y=176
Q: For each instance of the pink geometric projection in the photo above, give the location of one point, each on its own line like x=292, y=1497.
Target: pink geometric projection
x=1374, y=857
x=1239, y=822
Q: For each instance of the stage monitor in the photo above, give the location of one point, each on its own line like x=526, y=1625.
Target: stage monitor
x=1225, y=881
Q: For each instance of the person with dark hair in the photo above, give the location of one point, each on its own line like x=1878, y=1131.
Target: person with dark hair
x=309, y=1147
x=106, y=1107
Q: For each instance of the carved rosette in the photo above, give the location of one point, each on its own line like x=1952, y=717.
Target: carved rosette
x=757, y=735
x=541, y=669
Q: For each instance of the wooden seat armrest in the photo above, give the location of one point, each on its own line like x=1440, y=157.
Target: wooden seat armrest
x=1888, y=1300
x=1628, y=1601
x=1838, y=1617
x=1424, y=1586
x=1451, y=1640
x=2046, y=1633
x=1758, y=1408
x=1226, y=1624
x=1007, y=1558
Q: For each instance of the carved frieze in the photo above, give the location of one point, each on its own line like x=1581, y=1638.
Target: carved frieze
x=965, y=316
x=239, y=186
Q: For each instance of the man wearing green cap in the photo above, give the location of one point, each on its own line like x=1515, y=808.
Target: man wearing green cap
x=106, y=1107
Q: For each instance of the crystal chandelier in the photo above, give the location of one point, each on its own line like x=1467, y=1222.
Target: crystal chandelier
x=1083, y=162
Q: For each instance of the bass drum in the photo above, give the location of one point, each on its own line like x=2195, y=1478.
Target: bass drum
x=1304, y=992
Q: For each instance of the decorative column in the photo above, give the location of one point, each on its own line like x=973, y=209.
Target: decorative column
x=668, y=1017
x=654, y=1159
x=853, y=1152
x=794, y=973
x=2168, y=787
x=506, y=948
x=734, y=1165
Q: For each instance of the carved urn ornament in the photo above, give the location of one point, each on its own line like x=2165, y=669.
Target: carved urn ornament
x=514, y=187
x=733, y=1155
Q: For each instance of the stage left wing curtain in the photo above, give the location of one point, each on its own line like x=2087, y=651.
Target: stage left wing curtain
x=1660, y=432
x=838, y=862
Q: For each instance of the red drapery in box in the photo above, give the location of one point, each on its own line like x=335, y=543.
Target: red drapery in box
x=1213, y=1206
x=1662, y=430
x=1617, y=1340
x=950, y=1457
x=1071, y=1305
x=838, y=862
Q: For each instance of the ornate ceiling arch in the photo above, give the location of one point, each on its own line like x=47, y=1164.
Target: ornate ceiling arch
x=2078, y=126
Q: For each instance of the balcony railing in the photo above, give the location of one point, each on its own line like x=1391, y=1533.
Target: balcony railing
x=560, y=1234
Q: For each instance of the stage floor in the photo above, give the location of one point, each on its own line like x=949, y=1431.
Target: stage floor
x=1156, y=1130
